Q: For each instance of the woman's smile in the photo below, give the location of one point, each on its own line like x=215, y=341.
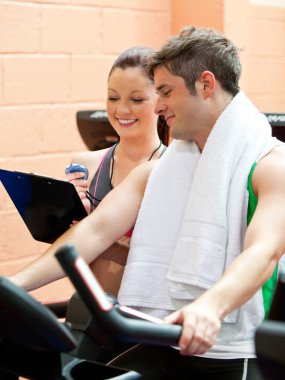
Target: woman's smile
x=126, y=122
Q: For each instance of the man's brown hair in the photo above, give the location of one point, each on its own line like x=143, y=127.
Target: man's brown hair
x=196, y=50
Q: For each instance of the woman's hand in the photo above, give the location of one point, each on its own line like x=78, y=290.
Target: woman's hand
x=81, y=185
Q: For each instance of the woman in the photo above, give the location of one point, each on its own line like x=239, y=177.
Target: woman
x=143, y=137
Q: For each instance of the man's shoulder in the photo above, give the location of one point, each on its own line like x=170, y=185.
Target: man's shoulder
x=275, y=157
x=271, y=168
x=279, y=150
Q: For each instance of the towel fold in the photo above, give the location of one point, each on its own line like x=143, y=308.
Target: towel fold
x=214, y=222
x=192, y=221
x=157, y=226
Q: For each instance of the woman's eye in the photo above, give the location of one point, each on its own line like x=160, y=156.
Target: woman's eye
x=112, y=98
x=137, y=100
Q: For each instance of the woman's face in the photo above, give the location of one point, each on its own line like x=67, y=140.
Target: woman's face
x=130, y=103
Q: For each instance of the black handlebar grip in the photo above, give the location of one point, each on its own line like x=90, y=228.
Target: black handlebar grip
x=104, y=312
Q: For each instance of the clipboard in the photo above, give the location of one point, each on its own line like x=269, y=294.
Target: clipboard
x=47, y=205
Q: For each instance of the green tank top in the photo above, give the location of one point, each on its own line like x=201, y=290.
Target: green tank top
x=269, y=286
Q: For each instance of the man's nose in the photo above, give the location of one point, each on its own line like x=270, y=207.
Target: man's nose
x=160, y=107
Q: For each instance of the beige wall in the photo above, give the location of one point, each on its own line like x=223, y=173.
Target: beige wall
x=205, y=13
x=261, y=33
x=54, y=60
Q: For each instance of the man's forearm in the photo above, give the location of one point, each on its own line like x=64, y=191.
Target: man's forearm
x=240, y=282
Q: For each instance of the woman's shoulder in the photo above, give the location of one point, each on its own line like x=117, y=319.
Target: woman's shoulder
x=90, y=159
x=86, y=157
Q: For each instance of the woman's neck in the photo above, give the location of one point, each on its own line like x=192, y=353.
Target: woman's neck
x=137, y=150
x=130, y=153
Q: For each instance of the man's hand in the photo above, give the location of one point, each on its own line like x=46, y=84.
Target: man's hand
x=201, y=326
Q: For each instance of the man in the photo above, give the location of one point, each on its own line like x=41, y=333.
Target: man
x=192, y=254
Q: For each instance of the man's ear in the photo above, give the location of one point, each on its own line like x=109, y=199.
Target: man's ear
x=207, y=84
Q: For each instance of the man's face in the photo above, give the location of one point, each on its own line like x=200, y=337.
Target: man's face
x=183, y=112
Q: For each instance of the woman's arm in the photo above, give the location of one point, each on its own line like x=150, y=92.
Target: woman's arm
x=115, y=215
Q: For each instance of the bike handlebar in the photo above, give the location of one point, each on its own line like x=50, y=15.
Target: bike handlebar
x=105, y=313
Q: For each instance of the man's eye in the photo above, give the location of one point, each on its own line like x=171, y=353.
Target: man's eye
x=112, y=98
x=165, y=93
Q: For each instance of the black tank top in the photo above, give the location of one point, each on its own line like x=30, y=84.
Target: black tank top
x=101, y=183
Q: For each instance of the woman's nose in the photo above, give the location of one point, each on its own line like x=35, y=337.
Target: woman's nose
x=123, y=108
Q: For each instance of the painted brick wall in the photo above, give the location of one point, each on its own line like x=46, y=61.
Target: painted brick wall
x=54, y=59
x=258, y=27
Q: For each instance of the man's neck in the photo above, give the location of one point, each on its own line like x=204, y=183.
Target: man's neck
x=219, y=102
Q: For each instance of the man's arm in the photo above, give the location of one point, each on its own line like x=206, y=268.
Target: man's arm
x=264, y=245
x=115, y=215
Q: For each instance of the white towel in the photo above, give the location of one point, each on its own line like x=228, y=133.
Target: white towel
x=155, y=233
x=214, y=223
x=191, y=223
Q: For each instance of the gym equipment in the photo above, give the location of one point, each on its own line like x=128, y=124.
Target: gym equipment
x=35, y=345
x=277, y=122
x=270, y=336
x=97, y=132
x=31, y=337
x=126, y=324
x=95, y=129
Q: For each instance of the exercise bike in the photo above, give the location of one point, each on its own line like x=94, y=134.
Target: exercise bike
x=34, y=344
x=270, y=336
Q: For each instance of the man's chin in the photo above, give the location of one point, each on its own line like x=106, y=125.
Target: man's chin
x=175, y=134
x=178, y=136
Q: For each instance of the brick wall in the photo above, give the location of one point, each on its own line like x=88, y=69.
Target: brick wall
x=54, y=59
x=258, y=27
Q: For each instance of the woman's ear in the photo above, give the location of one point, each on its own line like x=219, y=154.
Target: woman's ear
x=207, y=84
